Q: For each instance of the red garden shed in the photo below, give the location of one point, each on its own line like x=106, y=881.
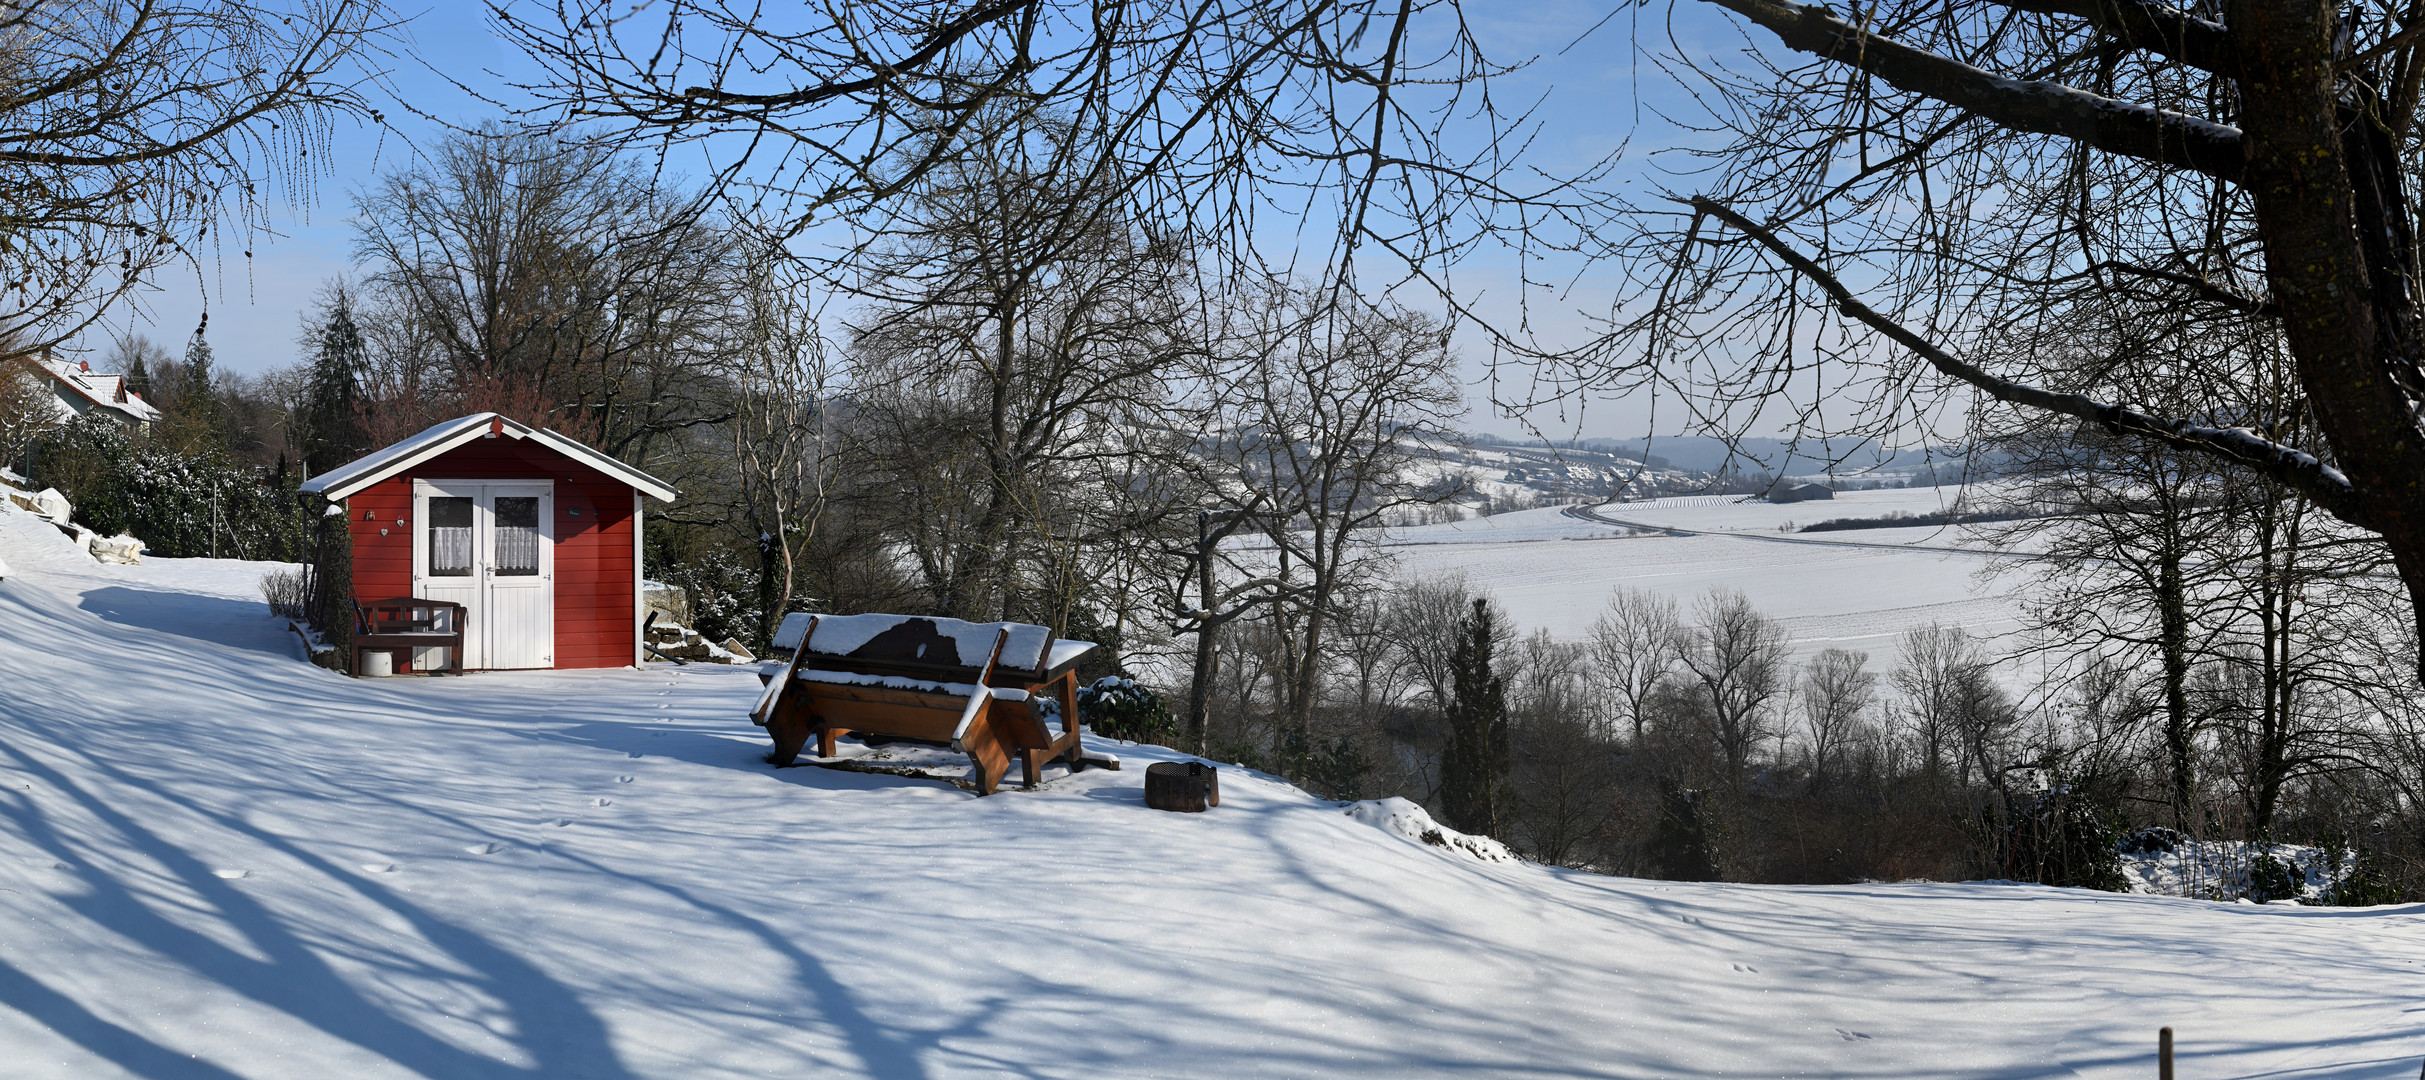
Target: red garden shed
x=536, y=535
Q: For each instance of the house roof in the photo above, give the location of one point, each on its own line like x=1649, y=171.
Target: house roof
x=103, y=391
x=381, y=464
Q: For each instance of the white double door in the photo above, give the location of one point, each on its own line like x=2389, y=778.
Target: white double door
x=490, y=545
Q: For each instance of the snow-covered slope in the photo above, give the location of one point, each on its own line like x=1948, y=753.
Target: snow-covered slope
x=1554, y=568
x=218, y=861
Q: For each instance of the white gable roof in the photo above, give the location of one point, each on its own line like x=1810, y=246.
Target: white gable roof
x=353, y=476
x=98, y=390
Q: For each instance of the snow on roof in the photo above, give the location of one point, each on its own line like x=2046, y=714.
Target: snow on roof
x=103, y=391
x=381, y=464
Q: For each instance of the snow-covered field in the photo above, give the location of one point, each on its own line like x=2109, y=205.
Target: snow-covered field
x=1554, y=568
x=218, y=861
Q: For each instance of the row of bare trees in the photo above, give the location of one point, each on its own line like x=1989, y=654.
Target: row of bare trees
x=1689, y=743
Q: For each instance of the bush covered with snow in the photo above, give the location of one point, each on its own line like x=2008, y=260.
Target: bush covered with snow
x=1404, y=817
x=2164, y=862
x=181, y=503
x=1122, y=708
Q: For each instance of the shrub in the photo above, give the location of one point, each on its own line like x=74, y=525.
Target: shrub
x=2059, y=837
x=180, y=503
x=1121, y=708
x=289, y=593
x=2271, y=878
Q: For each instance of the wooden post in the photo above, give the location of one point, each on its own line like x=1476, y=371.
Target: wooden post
x=2164, y=1054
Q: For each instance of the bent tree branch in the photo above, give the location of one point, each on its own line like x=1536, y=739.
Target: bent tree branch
x=2291, y=467
x=2033, y=105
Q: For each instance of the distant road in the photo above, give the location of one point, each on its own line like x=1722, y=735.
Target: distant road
x=1592, y=513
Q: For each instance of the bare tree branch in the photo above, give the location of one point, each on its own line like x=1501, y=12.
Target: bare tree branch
x=2293, y=468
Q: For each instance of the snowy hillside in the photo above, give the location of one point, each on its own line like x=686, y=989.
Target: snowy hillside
x=218, y=861
x=1554, y=567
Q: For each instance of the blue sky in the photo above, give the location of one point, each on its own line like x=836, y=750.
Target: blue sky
x=255, y=304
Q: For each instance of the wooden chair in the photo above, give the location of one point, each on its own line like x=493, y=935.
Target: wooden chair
x=976, y=687
x=408, y=623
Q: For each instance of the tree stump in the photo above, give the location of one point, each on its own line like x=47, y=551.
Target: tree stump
x=1186, y=789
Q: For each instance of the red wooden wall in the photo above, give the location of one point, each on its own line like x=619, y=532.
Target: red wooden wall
x=595, y=605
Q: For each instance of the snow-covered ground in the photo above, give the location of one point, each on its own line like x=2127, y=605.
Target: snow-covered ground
x=218, y=861
x=1555, y=567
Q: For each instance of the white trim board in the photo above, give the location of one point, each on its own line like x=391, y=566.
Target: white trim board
x=379, y=465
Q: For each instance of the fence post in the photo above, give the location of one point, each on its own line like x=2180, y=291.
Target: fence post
x=2164, y=1054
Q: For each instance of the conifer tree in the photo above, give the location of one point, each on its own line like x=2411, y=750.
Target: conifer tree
x=333, y=420
x=196, y=421
x=1473, y=780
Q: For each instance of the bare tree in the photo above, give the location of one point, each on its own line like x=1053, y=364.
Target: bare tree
x=1735, y=664
x=1220, y=600
x=135, y=129
x=1333, y=411
x=1023, y=327
x=1934, y=663
x=1837, y=692
x=784, y=444
x=1936, y=175
x=556, y=281
x=28, y=410
x=1635, y=645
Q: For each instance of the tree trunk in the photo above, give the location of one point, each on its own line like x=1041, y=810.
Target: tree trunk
x=2298, y=178
x=2173, y=643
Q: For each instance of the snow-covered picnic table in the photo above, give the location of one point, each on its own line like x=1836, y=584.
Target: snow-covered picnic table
x=981, y=688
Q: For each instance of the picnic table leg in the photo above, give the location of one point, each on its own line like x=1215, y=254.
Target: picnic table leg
x=825, y=741
x=1031, y=767
x=788, y=726
x=1070, y=720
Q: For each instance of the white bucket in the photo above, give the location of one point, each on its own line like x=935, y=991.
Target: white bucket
x=378, y=664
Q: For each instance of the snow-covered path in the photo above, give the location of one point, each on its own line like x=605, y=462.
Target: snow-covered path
x=218, y=861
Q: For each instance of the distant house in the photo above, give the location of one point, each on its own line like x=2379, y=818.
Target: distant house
x=1794, y=493
x=78, y=389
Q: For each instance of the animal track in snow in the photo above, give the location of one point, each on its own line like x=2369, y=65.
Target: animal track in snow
x=232, y=875
x=1852, y=1036
x=485, y=849
x=1747, y=967
x=559, y=822
x=623, y=779
x=379, y=867
x=602, y=802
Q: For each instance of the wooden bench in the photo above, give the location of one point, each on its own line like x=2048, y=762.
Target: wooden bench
x=409, y=623
x=976, y=687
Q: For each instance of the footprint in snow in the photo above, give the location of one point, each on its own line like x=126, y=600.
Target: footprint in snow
x=485, y=849
x=559, y=822
x=1852, y=1036
x=623, y=779
x=631, y=753
x=602, y=802
x=232, y=875
x=379, y=867
x=1748, y=968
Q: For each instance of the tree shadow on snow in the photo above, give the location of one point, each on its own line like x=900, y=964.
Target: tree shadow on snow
x=234, y=624
x=290, y=975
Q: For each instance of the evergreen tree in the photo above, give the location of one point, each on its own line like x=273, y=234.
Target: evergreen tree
x=1473, y=780
x=1680, y=845
x=139, y=379
x=196, y=421
x=333, y=412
